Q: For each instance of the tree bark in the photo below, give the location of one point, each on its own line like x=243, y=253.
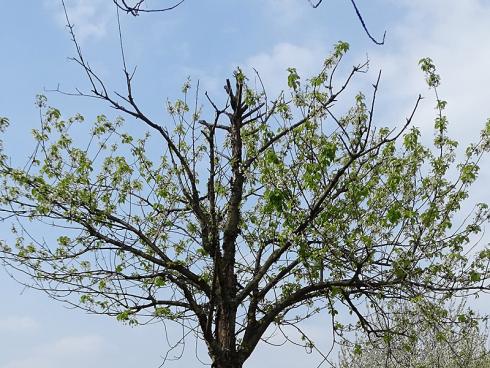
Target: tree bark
x=225, y=335
x=226, y=364
x=227, y=355
x=227, y=360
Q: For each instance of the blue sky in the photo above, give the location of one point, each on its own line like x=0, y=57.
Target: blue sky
x=207, y=40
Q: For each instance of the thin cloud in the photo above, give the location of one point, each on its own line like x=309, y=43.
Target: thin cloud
x=453, y=34
x=74, y=351
x=286, y=12
x=272, y=65
x=18, y=324
x=89, y=17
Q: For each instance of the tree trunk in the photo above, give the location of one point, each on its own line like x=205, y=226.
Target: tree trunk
x=226, y=364
x=227, y=356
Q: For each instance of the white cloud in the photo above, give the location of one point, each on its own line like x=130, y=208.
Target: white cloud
x=17, y=324
x=90, y=17
x=75, y=351
x=286, y=12
x=454, y=35
x=208, y=79
x=272, y=65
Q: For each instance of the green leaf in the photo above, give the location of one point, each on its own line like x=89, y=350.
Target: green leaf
x=274, y=200
x=162, y=312
x=475, y=276
x=393, y=215
x=293, y=79
x=357, y=349
x=159, y=281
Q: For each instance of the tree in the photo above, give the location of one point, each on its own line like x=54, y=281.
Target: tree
x=457, y=343
x=246, y=214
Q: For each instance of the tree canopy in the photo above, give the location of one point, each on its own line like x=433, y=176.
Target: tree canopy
x=238, y=216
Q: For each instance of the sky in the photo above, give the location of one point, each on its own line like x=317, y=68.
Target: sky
x=207, y=40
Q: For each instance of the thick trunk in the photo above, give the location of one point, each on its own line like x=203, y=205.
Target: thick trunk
x=226, y=365
x=227, y=355
x=227, y=360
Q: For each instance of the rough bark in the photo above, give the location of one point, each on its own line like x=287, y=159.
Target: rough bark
x=225, y=332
